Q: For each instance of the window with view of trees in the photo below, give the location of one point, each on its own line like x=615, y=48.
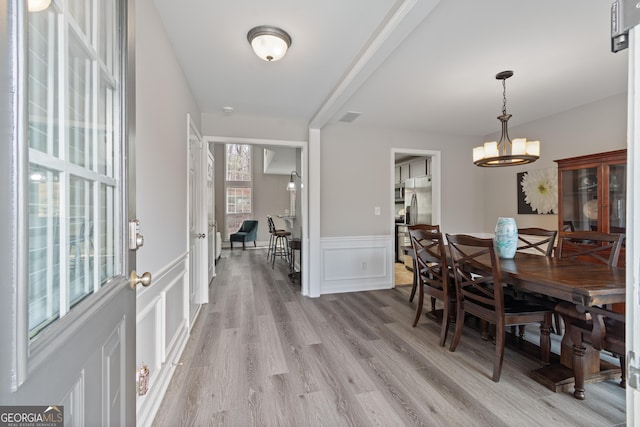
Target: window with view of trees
x=238, y=186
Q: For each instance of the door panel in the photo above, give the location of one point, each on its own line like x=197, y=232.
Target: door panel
x=68, y=313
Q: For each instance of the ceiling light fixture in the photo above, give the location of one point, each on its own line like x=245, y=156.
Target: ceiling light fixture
x=516, y=152
x=38, y=5
x=268, y=42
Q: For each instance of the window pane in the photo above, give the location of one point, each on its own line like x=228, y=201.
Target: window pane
x=79, y=100
x=43, y=87
x=44, y=247
x=109, y=243
x=81, y=13
x=80, y=229
x=238, y=162
x=238, y=200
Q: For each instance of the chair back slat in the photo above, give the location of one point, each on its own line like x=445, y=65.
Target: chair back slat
x=430, y=256
x=590, y=246
x=536, y=240
x=476, y=267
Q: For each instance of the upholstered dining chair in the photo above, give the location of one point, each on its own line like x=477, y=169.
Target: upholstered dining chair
x=414, y=287
x=433, y=275
x=248, y=232
x=479, y=292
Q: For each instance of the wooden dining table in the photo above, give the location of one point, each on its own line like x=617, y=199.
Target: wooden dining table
x=581, y=284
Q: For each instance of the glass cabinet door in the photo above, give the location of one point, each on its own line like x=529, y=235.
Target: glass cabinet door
x=617, y=196
x=579, y=199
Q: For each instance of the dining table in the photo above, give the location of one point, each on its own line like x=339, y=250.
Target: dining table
x=576, y=284
x=566, y=282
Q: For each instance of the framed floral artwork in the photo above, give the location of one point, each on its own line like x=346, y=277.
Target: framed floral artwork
x=538, y=191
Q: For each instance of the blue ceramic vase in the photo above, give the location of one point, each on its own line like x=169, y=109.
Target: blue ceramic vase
x=506, y=237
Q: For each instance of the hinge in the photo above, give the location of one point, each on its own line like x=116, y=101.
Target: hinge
x=633, y=372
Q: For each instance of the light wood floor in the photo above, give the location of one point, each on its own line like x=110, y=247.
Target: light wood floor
x=261, y=354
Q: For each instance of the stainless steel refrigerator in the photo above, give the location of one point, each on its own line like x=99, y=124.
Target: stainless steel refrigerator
x=418, y=200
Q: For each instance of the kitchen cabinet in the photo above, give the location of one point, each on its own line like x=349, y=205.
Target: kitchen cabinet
x=404, y=172
x=592, y=193
x=397, y=179
x=419, y=167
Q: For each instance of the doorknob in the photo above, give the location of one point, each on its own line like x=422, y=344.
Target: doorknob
x=144, y=280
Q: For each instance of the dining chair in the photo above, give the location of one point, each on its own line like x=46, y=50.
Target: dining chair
x=414, y=287
x=590, y=246
x=432, y=274
x=536, y=240
x=479, y=292
x=598, y=322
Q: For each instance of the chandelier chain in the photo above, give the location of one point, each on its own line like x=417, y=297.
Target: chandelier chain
x=504, y=96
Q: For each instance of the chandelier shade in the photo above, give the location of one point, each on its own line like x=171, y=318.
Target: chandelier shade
x=506, y=152
x=38, y=5
x=268, y=42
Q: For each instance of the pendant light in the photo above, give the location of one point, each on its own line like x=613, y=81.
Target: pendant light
x=506, y=152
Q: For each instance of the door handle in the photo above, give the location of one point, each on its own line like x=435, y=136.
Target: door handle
x=144, y=280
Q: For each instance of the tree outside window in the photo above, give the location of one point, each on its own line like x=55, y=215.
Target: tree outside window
x=238, y=186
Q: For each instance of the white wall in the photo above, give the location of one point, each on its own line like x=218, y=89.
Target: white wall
x=357, y=176
x=163, y=100
x=592, y=128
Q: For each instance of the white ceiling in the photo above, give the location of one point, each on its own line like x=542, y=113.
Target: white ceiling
x=413, y=64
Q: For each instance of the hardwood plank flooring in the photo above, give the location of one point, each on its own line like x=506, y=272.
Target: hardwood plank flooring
x=260, y=354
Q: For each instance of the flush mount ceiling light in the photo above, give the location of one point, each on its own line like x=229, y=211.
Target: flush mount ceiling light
x=268, y=42
x=506, y=152
x=38, y=5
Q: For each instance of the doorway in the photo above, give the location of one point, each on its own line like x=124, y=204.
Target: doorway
x=302, y=194
x=426, y=197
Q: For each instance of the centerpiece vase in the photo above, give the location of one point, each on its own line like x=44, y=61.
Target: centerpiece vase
x=506, y=237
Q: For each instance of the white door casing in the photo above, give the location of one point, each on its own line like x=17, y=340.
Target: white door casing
x=83, y=356
x=632, y=338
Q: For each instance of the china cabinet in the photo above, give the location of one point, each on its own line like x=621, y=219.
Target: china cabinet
x=592, y=192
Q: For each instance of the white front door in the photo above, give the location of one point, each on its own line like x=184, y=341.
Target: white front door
x=67, y=314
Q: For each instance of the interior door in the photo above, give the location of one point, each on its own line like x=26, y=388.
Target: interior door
x=67, y=320
x=211, y=222
x=197, y=219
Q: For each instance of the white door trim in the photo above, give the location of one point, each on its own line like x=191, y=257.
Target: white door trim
x=304, y=192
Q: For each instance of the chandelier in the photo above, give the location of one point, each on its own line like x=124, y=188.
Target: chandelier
x=506, y=152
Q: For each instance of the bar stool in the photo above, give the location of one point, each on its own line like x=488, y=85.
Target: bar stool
x=278, y=243
x=295, y=244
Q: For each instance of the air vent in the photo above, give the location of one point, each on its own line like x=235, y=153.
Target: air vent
x=350, y=116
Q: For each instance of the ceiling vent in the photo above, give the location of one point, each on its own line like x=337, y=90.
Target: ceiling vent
x=350, y=116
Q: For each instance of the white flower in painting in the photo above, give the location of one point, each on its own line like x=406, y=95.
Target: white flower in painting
x=540, y=188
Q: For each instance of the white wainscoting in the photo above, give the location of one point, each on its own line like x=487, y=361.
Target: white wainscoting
x=360, y=263
x=163, y=327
